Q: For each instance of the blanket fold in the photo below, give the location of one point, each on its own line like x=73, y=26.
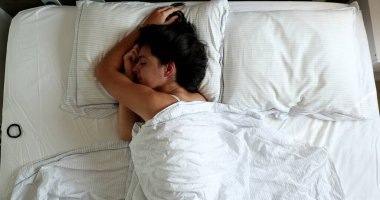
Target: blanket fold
x=194, y=150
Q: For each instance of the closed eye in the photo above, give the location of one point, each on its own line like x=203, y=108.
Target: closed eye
x=142, y=60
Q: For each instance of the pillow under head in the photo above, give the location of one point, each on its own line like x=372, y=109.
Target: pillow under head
x=99, y=26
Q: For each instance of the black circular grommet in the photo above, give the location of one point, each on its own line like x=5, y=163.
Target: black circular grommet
x=19, y=131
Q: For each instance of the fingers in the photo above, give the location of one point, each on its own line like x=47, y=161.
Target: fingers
x=135, y=52
x=136, y=48
x=130, y=59
x=171, y=20
x=132, y=54
x=170, y=10
x=161, y=9
x=160, y=15
x=167, y=9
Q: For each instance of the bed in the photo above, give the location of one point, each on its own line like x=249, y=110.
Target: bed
x=39, y=55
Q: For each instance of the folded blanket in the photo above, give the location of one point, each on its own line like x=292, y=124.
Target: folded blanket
x=204, y=150
x=195, y=150
x=94, y=172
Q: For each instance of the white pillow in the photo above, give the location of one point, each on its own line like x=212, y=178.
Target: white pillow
x=101, y=25
x=296, y=63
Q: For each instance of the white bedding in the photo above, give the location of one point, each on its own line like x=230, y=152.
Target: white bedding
x=299, y=63
x=181, y=154
x=38, y=55
x=94, y=172
x=206, y=150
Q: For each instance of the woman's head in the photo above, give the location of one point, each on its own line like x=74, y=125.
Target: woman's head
x=175, y=46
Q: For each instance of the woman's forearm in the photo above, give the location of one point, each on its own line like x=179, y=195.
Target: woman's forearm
x=114, y=58
x=127, y=119
x=108, y=69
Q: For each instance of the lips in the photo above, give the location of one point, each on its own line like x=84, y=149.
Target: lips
x=136, y=78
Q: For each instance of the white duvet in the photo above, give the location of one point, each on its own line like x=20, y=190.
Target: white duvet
x=197, y=150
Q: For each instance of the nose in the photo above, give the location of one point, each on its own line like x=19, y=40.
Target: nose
x=136, y=68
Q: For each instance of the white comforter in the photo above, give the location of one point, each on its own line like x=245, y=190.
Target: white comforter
x=196, y=150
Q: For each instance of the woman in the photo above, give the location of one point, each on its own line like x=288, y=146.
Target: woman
x=201, y=150
x=164, y=62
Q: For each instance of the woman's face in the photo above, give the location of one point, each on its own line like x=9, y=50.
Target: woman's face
x=148, y=69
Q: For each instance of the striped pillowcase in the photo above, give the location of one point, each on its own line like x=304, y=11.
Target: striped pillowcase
x=100, y=25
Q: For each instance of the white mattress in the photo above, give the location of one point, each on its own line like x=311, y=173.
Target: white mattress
x=38, y=56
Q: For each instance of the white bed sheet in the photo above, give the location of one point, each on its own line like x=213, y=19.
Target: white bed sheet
x=38, y=56
x=354, y=147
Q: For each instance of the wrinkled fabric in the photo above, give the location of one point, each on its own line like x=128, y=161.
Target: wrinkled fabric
x=203, y=150
x=97, y=172
x=197, y=150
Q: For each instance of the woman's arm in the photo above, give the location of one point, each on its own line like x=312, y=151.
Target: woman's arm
x=133, y=96
x=127, y=119
x=113, y=60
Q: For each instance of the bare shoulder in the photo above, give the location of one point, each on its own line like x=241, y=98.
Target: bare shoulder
x=199, y=97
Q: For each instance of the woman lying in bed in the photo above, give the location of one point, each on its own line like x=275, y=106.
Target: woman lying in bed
x=201, y=150
x=164, y=62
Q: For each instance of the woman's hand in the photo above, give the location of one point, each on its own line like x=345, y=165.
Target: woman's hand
x=130, y=59
x=160, y=15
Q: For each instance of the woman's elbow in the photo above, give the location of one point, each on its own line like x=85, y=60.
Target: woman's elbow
x=97, y=72
x=125, y=137
x=101, y=74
